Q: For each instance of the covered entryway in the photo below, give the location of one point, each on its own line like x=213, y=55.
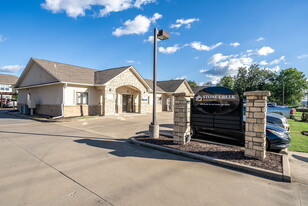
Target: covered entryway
x=128, y=99
x=168, y=102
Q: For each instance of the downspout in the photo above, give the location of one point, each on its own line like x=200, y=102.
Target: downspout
x=62, y=104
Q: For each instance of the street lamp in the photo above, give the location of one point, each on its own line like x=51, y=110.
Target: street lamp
x=154, y=126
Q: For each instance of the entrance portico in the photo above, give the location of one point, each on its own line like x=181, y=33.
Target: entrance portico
x=128, y=99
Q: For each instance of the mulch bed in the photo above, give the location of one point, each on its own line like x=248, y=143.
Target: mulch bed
x=272, y=161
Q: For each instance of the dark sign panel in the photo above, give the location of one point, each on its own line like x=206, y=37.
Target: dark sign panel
x=216, y=100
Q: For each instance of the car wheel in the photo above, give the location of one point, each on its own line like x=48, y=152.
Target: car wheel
x=193, y=132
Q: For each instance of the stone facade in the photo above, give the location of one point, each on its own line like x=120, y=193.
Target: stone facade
x=82, y=110
x=126, y=78
x=50, y=110
x=181, y=128
x=255, y=132
x=44, y=109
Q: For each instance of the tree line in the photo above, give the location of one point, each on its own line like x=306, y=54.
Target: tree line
x=287, y=87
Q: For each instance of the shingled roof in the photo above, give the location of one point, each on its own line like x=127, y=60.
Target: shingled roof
x=8, y=79
x=68, y=73
x=82, y=75
x=170, y=85
x=150, y=83
x=103, y=76
x=198, y=88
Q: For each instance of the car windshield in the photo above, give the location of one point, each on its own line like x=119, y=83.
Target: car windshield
x=274, y=120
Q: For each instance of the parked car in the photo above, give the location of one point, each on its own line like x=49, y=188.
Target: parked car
x=285, y=111
x=277, y=138
x=10, y=103
x=271, y=104
x=277, y=120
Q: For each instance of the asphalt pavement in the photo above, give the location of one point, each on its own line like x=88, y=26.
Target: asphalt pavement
x=91, y=162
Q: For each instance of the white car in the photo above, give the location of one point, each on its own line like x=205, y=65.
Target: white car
x=277, y=120
x=285, y=111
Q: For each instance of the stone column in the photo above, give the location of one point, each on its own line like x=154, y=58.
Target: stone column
x=255, y=132
x=181, y=128
x=172, y=103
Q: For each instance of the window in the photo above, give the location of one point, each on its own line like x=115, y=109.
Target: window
x=82, y=97
x=4, y=87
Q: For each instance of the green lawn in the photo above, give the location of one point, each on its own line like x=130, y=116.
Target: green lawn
x=299, y=142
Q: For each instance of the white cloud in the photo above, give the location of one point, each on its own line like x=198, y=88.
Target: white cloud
x=169, y=50
x=75, y=8
x=186, y=22
x=274, y=69
x=175, y=33
x=228, y=64
x=181, y=78
x=11, y=68
x=260, y=39
x=264, y=51
x=302, y=56
x=2, y=39
x=201, y=47
x=139, y=25
x=201, y=83
x=133, y=62
x=214, y=79
x=263, y=63
x=150, y=39
x=277, y=61
x=139, y=3
x=217, y=58
x=225, y=65
x=235, y=44
x=196, y=57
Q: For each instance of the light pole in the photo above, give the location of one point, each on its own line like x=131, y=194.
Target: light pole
x=154, y=126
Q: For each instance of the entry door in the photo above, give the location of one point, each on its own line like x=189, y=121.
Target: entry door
x=127, y=103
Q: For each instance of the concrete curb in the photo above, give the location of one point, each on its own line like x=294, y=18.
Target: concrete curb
x=32, y=117
x=285, y=176
x=286, y=171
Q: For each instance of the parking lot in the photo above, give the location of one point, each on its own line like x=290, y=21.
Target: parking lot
x=91, y=162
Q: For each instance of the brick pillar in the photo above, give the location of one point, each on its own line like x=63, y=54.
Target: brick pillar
x=255, y=134
x=181, y=129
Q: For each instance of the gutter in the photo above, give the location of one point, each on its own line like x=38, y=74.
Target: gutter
x=62, y=105
x=38, y=85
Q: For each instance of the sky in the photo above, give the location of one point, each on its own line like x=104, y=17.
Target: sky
x=208, y=38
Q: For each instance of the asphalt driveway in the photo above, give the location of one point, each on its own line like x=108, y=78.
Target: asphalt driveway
x=90, y=162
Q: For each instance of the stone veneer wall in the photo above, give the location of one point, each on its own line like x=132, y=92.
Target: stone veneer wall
x=48, y=109
x=82, y=110
x=126, y=78
x=181, y=128
x=45, y=109
x=255, y=132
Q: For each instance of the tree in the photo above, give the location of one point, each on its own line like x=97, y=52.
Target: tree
x=292, y=83
x=226, y=81
x=241, y=81
x=259, y=79
x=192, y=83
x=252, y=79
